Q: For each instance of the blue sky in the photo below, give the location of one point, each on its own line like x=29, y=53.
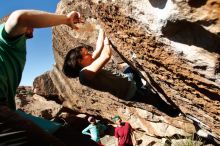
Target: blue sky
x=39, y=49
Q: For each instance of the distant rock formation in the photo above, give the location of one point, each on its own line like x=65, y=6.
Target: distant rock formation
x=174, y=44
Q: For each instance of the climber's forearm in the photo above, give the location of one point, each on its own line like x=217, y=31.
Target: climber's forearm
x=99, y=44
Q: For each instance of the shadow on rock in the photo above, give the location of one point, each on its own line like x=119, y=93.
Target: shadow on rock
x=197, y=3
x=149, y=97
x=72, y=137
x=71, y=131
x=158, y=3
x=192, y=34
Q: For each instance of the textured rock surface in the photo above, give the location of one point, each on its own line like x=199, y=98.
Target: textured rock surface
x=176, y=44
x=44, y=86
x=38, y=106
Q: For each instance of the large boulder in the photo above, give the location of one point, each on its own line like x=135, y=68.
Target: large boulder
x=44, y=86
x=173, y=44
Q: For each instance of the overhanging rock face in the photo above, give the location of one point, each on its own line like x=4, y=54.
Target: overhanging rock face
x=174, y=44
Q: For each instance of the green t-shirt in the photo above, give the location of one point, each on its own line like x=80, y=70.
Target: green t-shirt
x=12, y=61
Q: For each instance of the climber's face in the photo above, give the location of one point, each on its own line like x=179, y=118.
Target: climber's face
x=86, y=59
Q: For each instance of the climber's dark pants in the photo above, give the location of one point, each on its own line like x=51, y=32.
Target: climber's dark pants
x=134, y=76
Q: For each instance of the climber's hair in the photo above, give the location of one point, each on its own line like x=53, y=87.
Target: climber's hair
x=71, y=68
